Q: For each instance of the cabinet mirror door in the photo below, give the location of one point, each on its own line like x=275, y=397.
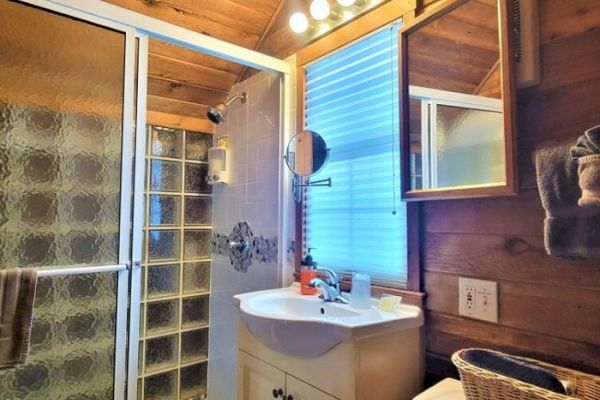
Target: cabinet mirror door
x=457, y=102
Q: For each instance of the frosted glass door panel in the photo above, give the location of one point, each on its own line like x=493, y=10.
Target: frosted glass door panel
x=72, y=342
x=61, y=106
x=61, y=131
x=470, y=146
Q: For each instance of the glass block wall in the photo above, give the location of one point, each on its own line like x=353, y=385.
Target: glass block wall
x=176, y=278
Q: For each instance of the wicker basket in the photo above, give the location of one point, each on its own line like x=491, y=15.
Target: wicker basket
x=481, y=384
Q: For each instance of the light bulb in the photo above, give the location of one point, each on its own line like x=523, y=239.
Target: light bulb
x=299, y=22
x=346, y=3
x=319, y=9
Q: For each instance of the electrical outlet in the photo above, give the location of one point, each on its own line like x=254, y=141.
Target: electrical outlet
x=478, y=299
x=470, y=297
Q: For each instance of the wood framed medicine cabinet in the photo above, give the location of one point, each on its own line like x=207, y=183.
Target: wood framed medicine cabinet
x=457, y=102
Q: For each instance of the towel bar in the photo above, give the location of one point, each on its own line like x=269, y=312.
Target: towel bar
x=65, y=271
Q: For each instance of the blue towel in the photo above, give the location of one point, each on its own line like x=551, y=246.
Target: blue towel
x=514, y=368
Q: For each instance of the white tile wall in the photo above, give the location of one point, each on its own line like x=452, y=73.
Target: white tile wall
x=252, y=195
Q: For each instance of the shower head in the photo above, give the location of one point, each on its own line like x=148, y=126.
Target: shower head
x=218, y=114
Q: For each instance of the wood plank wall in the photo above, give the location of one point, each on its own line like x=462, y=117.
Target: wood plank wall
x=549, y=309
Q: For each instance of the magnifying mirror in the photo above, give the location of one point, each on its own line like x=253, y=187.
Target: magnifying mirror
x=306, y=153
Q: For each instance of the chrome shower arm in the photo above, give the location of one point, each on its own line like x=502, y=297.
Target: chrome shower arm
x=243, y=97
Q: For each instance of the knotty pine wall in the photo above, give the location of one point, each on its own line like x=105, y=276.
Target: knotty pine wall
x=549, y=309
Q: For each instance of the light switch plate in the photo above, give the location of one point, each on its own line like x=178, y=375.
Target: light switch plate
x=478, y=299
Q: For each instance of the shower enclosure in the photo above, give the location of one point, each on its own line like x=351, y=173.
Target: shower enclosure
x=73, y=141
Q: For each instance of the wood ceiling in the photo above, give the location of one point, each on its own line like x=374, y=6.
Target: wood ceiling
x=185, y=83
x=182, y=83
x=459, y=51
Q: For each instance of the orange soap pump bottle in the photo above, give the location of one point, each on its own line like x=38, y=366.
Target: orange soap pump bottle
x=308, y=271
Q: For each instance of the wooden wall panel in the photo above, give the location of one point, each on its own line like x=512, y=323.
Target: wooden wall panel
x=563, y=19
x=447, y=333
x=488, y=214
x=516, y=258
x=528, y=306
x=549, y=308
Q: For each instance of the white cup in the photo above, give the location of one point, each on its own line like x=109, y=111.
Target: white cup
x=361, y=291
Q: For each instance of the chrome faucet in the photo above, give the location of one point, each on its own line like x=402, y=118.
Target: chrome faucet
x=332, y=289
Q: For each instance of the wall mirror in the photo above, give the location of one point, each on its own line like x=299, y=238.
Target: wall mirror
x=457, y=96
x=306, y=153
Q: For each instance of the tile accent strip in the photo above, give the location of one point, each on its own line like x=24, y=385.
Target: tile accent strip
x=242, y=247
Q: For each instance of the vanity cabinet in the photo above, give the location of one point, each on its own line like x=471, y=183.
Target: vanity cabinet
x=301, y=391
x=257, y=380
x=384, y=367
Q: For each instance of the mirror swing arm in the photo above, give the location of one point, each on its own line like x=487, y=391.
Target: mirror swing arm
x=299, y=182
x=321, y=182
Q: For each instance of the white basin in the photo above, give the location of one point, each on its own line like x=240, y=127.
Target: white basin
x=306, y=326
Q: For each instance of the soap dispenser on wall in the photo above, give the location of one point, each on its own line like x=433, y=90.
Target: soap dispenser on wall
x=219, y=161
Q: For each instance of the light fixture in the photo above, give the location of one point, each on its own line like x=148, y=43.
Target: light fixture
x=320, y=9
x=346, y=3
x=299, y=22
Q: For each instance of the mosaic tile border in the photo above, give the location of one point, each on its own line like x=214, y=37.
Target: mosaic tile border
x=242, y=247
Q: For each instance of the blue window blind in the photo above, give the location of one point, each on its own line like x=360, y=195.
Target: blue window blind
x=352, y=101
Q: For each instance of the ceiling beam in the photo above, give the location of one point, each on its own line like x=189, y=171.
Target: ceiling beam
x=174, y=89
x=179, y=122
x=160, y=48
x=173, y=106
x=490, y=85
x=195, y=74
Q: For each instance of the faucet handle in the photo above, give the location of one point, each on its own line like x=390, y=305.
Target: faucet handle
x=332, y=276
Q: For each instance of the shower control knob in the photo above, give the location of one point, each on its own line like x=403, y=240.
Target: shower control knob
x=277, y=393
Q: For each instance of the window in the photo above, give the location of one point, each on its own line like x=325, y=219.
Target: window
x=351, y=99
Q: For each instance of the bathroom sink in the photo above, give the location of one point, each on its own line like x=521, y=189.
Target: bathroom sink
x=306, y=326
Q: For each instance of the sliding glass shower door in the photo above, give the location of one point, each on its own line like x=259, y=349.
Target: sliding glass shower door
x=66, y=179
